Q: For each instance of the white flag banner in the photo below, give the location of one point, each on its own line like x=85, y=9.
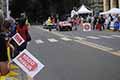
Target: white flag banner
x=18, y=39
x=28, y=63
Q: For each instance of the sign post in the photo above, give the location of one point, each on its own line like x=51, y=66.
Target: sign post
x=86, y=27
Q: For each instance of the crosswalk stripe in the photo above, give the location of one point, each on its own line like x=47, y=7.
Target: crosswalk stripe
x=79, y=38
x=66, y=39
x=56, y=33
x=39, y=41
x=116, y=36
x=108, y=37
x=92, y=37
x=52, y=40
x=118, y=51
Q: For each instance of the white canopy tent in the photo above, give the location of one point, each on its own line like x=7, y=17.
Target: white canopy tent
x=104, y=13
x=83, y=10
x=73, y=12
x=114, y=11
x=111, y=11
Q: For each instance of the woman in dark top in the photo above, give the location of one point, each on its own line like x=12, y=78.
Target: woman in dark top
x=4, y=66
x=3, y=49
x=4, y=44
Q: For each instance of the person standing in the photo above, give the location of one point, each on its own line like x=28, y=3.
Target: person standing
x=4, y=67
x=95, y=22
x=103, y=22
x=77, y=22
x=4, y=44
x=49, y=23
x=22, y=29
x=100, y=24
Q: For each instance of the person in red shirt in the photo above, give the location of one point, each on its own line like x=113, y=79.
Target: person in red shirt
x=22, y=29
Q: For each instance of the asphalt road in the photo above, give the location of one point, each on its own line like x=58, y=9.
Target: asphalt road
x=76, y=55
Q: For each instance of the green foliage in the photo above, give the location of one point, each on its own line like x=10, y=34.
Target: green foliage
x=39, y=10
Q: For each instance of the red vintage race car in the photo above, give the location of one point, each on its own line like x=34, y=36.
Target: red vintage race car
x=64, y=25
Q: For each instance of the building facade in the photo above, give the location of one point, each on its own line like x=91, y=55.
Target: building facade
x=96, y=5
x=108, y=4
x=4, y=6
x=103, y=5
x=1, y=4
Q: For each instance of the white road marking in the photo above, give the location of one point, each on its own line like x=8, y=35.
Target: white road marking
x=28, y=43
x=39, y=41
x=79, y=38
x=92, y=37
x=108, y=37
x=46, y=30
x=52, y=40
x=57, y=34
x=117, y=53
x=66, y=39
x=100, y=47
x=116, y=36
x=94, y=45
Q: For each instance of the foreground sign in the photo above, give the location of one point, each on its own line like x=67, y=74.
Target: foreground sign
x=18, y=39
x=28, y=63
x=87, y=27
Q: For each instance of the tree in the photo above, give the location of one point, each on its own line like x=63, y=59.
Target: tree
x=39, y=10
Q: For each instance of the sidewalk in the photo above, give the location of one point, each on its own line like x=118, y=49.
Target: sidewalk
x=15, y=74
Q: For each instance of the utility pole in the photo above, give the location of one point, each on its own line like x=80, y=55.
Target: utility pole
x=7, y=9
x=1, y=4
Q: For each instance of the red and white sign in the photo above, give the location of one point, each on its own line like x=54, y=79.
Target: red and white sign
x=87, y=27
x=18, y=39
x=28, y=63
